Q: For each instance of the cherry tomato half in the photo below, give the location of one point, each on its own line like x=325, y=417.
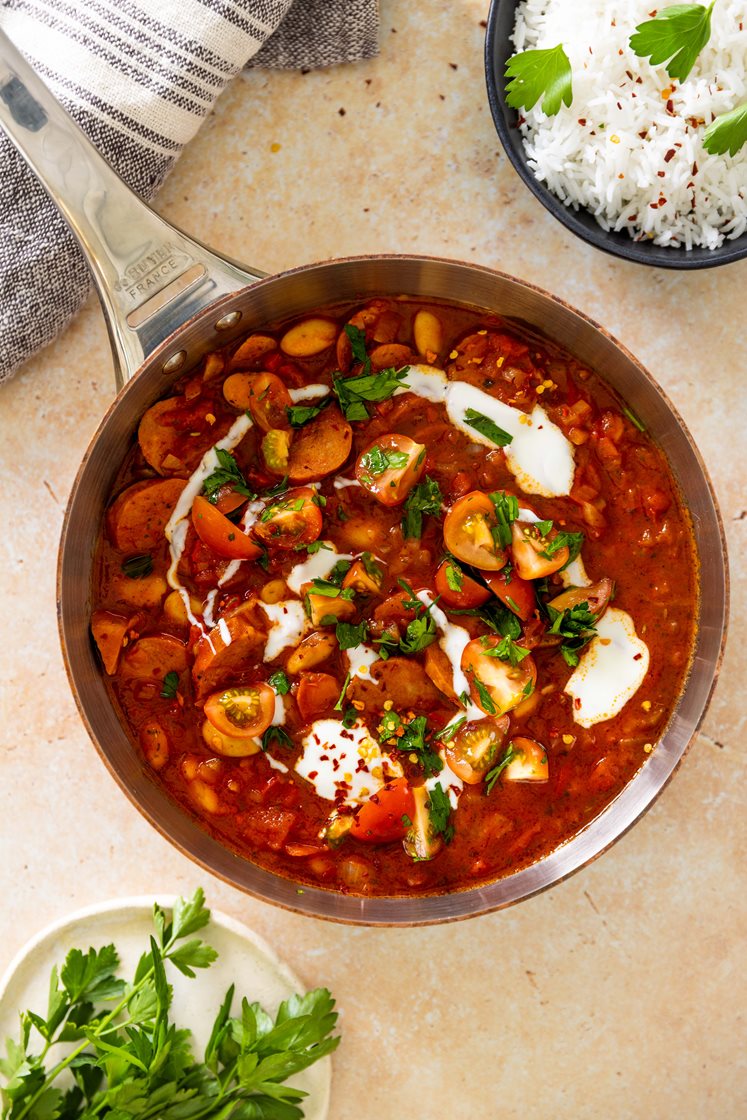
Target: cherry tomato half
x=475, y=748
x=268, y=400
x=517, y=593
x=221, y=535
x=468, y=532
x=241, y=713
x=457, y=589
x=496, y=685
x=390, y=467
x=380, y=820
x=291, y=519
x=528, y=547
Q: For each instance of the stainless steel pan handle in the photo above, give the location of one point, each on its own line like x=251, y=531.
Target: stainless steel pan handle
x=150, y=276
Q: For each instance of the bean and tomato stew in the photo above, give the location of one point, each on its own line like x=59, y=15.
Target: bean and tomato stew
x=394, y=598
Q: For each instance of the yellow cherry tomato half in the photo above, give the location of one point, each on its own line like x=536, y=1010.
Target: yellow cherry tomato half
x=242, y=713
x=468, y=532
x=390, y=467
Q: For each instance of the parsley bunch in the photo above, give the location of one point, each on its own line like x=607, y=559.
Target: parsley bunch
x=133, y=1063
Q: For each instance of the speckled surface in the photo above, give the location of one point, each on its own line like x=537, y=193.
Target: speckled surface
x=619, y=993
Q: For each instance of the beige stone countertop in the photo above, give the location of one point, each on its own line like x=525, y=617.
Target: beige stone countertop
x=619, y=993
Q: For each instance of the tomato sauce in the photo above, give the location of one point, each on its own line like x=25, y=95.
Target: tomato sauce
x=184, y=627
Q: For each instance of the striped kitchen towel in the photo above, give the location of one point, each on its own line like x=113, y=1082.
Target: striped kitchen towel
x=139, y=76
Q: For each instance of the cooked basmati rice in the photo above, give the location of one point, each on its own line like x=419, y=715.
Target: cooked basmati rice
x=630, y=147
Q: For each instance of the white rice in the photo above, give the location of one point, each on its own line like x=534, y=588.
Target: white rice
x=630, y=147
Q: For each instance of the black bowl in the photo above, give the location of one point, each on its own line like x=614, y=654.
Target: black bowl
x=498, y=50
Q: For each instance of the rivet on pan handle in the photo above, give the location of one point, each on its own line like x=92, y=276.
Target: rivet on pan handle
x=150, y=276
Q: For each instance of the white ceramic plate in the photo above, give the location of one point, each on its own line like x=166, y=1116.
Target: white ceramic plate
x=244, y=959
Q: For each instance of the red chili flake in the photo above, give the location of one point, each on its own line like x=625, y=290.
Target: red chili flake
x=577, y=702
x=313, y=774
x=582, y=121
x=670, y=155
x=670, y=107
x=695, y=169
x=637, y=656
x=335, y=764
x=643, y=135
x=654, y=205
x=324, y=758
x=661, y=174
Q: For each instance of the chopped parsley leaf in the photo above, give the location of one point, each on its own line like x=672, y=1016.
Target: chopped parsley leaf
x=506, y=508
x=314, y=547
x=378, y=459
x=425, y=498
x=350, y=636
x=451, y=729
x=357, y=339
x=170, y=685
x=454, y=576
x=227, y=473
x=486, y=700
x=354, y=392
x=138, y=567
x=390, y=725
x=497, y=617
x=340, y=699
x=279, y=682
x=572, y=541
x=439, y=809
x=276, y=735
x=374, y=570
x=505, y=650
x=493, y=775
x=576, y=626
x=349, y=718
x=300, y=414
x=487, y=427
x=414, y=740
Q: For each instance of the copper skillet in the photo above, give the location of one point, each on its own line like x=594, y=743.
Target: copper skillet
x=167, y=301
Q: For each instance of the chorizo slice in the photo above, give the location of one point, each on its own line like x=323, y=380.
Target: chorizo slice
x=217, y=660
x=400, y=680
x=137, y=519
x=174, y=434
x=150, y=658
x=320, y=447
